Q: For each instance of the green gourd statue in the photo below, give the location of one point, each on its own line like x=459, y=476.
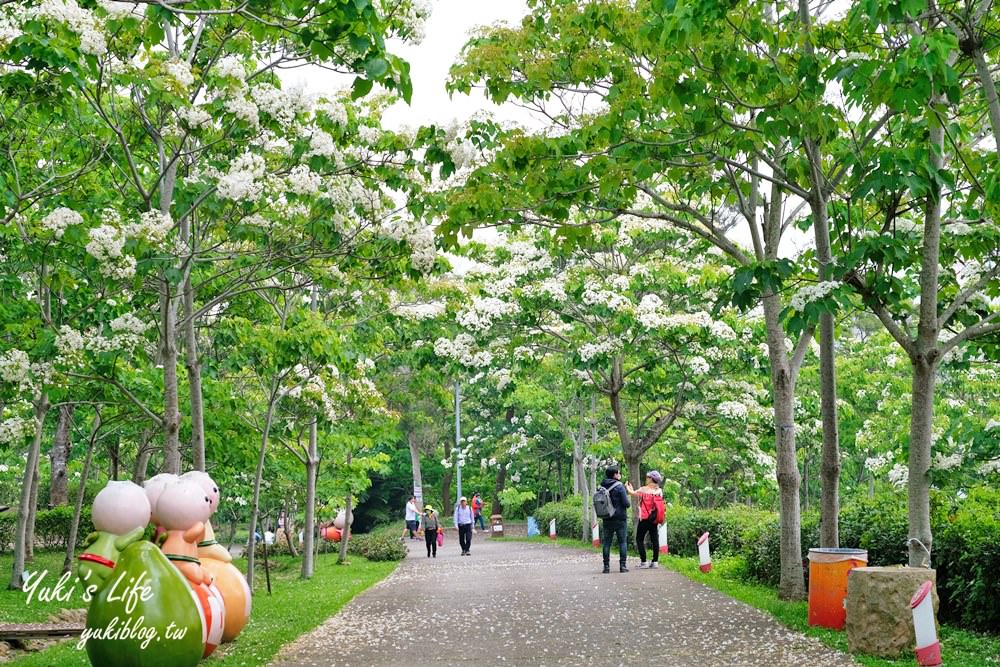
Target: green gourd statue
x=145, y=615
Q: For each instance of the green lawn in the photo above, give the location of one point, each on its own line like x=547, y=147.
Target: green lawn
x=960, y=648
x=293, y=608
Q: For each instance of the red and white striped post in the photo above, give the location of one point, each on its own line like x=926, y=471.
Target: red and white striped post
x=928, y=647
x=595, y=534
x=662, y=531
x=704, y=555
x=552, y=529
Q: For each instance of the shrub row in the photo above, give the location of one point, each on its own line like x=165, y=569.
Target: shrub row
x=380, y=546
x=966, y=549
x=51, y=528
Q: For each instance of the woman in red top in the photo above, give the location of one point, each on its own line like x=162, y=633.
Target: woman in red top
x=649, y=518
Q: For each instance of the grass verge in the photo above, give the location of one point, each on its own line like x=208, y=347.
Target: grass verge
x=960, y=648
x=294, y=608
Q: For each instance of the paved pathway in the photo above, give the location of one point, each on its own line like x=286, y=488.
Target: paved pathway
x=516, y=603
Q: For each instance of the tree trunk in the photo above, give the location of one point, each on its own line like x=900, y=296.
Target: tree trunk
x=74, y=527
x=168, y=357
x=989, y=92
x=21, y=532
x=446, y=479
x=29, y=539
x=921, y=423
x=792, y=582
x=141, y=467
x=346, y=533
x=193, y=364
x=924, y=359
x=498, y=489
x=59, y=457
x=309, y=527
x=287, y=529
x=418, y=482
x=255, y=507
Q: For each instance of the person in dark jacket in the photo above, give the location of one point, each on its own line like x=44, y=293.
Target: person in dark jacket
x=616, y=524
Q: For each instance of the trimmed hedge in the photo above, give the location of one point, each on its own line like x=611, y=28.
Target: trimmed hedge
x=567, y=513
x=379, y=546
x=966, y=550
x=51, y=528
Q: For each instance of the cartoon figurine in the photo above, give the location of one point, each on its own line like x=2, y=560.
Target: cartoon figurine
x=216, y=560
x=146, y=615
x=154, y=487
x=182, y=509
x=120, y=514
x=209, y=547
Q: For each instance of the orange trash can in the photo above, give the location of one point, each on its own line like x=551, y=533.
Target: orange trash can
x=828, y=568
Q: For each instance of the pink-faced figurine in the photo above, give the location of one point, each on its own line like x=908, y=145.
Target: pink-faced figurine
x=120, y=514
x=182, y=509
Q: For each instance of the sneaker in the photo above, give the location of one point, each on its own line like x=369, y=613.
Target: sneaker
x=642, y=565
x=606, y=570
x=653, y=566
x=623, y=569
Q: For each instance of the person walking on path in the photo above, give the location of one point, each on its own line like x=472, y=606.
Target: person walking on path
x=650, y=499
x=615, y=523
x=430, y=524
x=477, y=511
x=412, y=516
x=463, y=519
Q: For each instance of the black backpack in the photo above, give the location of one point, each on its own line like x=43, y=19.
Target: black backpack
x=603, y=507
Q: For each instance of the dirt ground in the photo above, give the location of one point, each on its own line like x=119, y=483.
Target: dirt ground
x=515, y=603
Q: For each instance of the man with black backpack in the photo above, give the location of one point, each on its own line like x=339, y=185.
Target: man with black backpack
x=611, y=504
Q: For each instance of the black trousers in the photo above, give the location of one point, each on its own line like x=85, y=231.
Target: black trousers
x=465, y=536
x=647, y=527
x=431, y=536
x=611, y=529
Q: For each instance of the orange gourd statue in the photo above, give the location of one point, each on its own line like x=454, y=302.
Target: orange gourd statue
x=218, y=562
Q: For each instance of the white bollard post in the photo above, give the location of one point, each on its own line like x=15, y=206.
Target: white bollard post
x=552, y=529
x=928, y=647
x=704, y=555
x=595, y=535
x=662, y=531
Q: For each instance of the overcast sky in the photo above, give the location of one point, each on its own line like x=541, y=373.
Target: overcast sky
x=448, y=28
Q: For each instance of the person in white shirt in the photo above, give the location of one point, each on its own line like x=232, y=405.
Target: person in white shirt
x=412, y=516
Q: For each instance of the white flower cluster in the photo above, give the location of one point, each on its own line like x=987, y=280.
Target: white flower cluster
x=411, y=14
x=420, y=311
x=899, y=476
x=15, y=368
x=303, y=181
x=321, y=143
x=461, y=350
x=243, y=109
x=10, y=28
x=733, y=410
x=119, y=10
x=763, y=459
x=194, y=117
x=58, y=220
x=554, y=288
x=484, y=311
x=423, y=250
x=127, y=333
x=334, y=110
x=230, y=67
x=942, y=462
x=77, y=19
x=244, y=180
x=698, y=365
x=152, y=227
x=279, y=103
x=811, y=293
x=180, y=72
x=15, y=429
x=501, y=378
x=595, y=295
x=607, y=346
